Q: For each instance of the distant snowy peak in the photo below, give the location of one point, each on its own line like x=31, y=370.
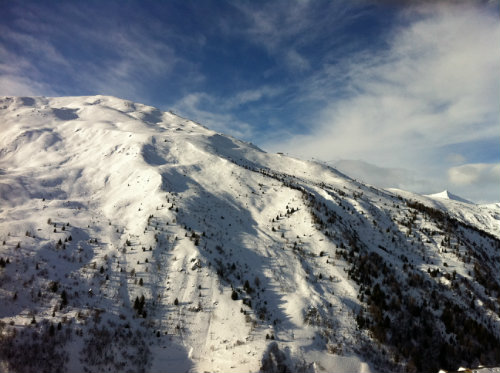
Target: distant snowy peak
x=445, y=194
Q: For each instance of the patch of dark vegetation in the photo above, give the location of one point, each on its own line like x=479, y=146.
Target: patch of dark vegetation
x=39, y=347
x=115, y=347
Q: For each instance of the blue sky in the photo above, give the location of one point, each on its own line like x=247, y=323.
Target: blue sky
x=407, y=86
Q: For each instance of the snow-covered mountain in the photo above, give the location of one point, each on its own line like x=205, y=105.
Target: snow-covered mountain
x=447, y=195
x=137, y=240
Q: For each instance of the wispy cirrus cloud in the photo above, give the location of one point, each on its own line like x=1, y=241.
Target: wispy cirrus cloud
x=76, y=49
x=219, y=112
x=289, y=30
x=192, y=105
x=19, y=77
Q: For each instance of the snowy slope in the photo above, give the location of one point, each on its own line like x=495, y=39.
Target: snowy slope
x=485, y=217
x=137, y=239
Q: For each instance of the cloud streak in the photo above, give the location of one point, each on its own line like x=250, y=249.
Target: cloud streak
x=288, y=29
x=191, y=106
x=76, y=48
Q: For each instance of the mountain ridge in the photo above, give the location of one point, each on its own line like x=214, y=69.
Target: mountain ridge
x=218, y=256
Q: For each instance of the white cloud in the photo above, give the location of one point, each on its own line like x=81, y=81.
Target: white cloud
x=19, y=86
x=478, y=182
x=296, y=61
x=247, y=96
x=437, y=84
x=385, y=177
x=475, y=174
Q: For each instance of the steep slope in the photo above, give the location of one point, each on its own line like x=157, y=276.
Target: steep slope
x=136, y=239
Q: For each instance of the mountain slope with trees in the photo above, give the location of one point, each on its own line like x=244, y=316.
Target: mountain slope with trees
x=134, y=239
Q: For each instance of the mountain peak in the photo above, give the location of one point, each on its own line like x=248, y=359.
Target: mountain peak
x=445, y=194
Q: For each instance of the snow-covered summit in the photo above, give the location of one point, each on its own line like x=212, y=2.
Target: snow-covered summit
x=445, y=194
x=132, y=238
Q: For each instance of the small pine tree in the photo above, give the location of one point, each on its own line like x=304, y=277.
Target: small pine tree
x=64, y=298
x=141, y=282
x=176, y=302
x=234, y=295
x=257, y=281
x=136, y=303
x=247, y=287
x=53, y=286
